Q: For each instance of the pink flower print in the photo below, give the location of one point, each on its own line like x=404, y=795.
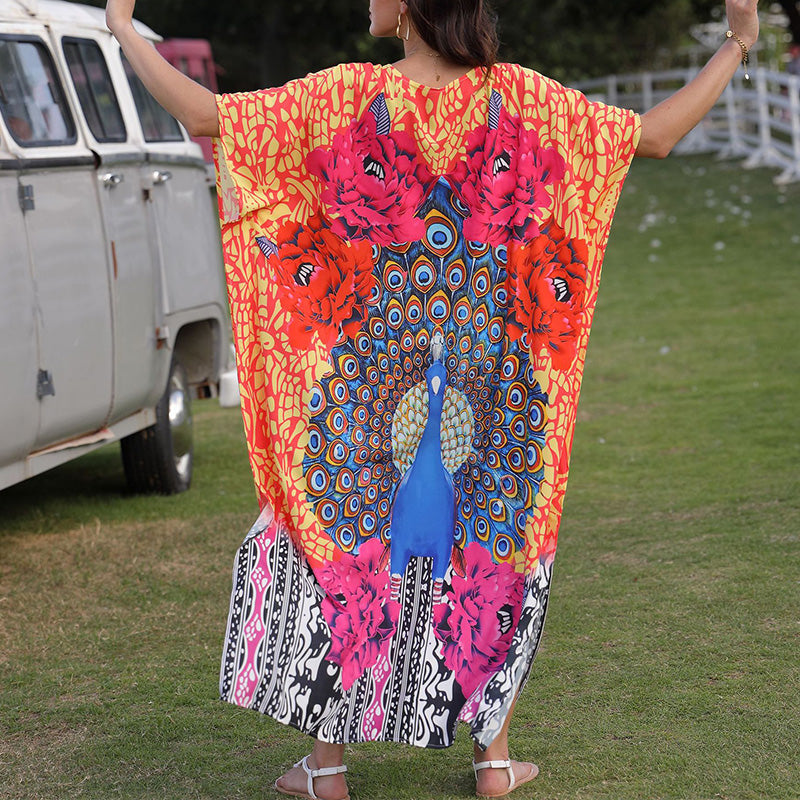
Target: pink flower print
x=475, y=632
x=503, y=182
x=374, y=183
x=357, y=608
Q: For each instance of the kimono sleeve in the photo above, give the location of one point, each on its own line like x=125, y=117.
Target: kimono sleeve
x=261, y=150
x=602, y=142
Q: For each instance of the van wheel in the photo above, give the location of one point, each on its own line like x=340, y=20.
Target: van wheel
x=159, y=458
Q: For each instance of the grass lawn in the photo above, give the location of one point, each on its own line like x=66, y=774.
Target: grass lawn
x=669, y=666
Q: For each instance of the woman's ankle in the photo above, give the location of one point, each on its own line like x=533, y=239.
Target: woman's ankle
x=496, y=751
x=325, y=754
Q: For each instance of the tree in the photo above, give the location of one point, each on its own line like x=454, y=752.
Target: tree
x=266, y=42
x=792, y=11
x=572, y=39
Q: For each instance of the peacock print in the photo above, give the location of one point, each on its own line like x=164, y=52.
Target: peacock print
x=428, y=430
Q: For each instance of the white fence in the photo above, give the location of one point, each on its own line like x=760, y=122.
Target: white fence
x=758, y=120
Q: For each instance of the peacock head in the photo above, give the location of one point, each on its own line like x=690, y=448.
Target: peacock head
x=437, y=346
x=437, y=372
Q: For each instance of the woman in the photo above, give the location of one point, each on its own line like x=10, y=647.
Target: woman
x=413, y=253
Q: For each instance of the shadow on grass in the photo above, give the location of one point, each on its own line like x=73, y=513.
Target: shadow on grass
x=96, y=478
x=92, y=489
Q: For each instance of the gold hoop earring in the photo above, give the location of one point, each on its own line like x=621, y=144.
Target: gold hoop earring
x=398, y=32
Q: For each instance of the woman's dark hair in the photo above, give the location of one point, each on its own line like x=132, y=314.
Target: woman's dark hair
x=463, y=31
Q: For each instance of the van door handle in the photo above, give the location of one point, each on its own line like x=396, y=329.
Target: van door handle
x=161, y=176
x=111, y=179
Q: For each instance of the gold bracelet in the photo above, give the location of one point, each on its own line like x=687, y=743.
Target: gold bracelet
x=745, y=51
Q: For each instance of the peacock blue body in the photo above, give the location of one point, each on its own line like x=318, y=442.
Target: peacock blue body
x=369, y=415
x=423, y=510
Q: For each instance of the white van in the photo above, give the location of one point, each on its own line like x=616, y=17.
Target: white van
x=112, y=298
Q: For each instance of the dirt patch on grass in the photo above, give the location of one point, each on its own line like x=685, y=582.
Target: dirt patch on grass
x=38, y=739
x=40, y=760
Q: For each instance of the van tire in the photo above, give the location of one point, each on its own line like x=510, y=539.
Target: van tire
x=160, y=458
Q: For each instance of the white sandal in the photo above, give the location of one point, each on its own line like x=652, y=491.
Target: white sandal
x=512, y=781
x=310, y=794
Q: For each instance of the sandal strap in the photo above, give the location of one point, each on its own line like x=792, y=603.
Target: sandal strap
x=479, y=765
x=328, y=771
x=316, y=773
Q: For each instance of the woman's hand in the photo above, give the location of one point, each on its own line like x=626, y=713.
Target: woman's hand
x=666, y=124
x=119, y=13
x=743, y=19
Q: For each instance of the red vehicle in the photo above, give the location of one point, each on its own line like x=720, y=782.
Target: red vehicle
x=193, y=58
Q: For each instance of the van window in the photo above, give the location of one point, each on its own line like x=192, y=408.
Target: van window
x=31, y=97
x=95, y=91
x=157, y=124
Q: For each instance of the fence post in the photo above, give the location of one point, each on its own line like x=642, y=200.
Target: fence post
x=735, y=146
x=647, y=90
x=763, y=155
x=792, y=173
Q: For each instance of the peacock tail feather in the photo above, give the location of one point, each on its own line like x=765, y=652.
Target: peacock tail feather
x=457, y=428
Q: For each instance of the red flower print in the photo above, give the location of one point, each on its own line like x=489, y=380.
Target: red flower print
x=323, y=282
x=374, y=183
x=503, y=180
x=546, y=287
x=475, y=633
x=357, y=608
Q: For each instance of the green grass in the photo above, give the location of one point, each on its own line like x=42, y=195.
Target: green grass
x=669, y=666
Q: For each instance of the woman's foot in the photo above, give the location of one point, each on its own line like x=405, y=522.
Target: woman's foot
x=295, y=782
x=496, y=781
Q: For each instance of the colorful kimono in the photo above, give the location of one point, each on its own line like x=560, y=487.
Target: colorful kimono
x=412, y=275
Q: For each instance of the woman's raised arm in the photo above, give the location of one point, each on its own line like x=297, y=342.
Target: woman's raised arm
x=668, y=122
x=186, y=100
